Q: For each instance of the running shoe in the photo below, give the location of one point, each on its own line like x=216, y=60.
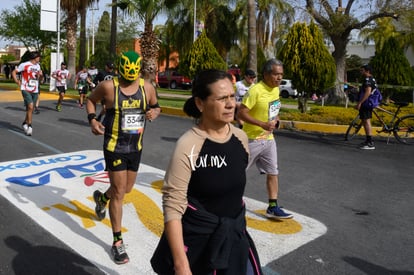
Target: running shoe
x=58, y=108
x=100, y=209
x=25, y=127
x=367, y=145
x=119, y=253
x=81, y=106
x=29, y=131
x=36, y=111
x=275, y=212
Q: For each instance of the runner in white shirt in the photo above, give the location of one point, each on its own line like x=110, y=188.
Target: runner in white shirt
x=242, y=87
x=61, y=75
x=31, y=74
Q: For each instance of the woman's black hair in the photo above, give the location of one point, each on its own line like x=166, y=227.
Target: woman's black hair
x=201, y=89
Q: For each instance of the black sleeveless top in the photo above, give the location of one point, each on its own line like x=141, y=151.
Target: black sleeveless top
x=125, y=122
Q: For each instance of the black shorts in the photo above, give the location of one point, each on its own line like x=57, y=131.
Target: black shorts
x=365, y=113
x=121, y=162
x=61, y=89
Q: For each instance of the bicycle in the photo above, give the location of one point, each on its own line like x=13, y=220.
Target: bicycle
x=401, y=127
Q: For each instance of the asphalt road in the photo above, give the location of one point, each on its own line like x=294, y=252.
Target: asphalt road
x=364, y=198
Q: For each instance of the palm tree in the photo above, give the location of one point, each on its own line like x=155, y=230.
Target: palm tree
x=252, y=39
x=72, y=7
x=220, y=24
x=273, y=21
x=114, y=16
x=147, y=11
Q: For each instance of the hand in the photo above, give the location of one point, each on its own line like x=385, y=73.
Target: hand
x=96, y=127
x=152, y=114
x=269, y=125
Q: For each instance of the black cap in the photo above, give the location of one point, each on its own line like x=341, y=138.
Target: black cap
x=110, y=65
x=63, y=63
x=250, y=72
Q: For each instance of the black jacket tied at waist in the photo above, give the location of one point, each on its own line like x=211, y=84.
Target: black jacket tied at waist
x=213, y=243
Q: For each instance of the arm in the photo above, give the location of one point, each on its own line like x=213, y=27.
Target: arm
x=154, y=108
x=14, y=76
x=76, y=81
x=174, y=233
x=97, y=95
x=243, y=113
x=367, y=93
x=54, y=75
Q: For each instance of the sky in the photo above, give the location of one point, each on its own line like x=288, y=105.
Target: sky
x=102, y=6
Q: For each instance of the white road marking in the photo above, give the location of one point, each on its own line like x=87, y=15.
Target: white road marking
x=56, y=191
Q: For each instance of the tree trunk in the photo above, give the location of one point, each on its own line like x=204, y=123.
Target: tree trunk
x=252, y=39
x=303, y=103
x=82, y=42
x=112, y=46
x=71, y=27
x=336, y=95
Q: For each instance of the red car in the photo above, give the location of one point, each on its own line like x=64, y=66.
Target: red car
x=173, y=80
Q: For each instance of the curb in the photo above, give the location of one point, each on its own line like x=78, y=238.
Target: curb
x=285, y=124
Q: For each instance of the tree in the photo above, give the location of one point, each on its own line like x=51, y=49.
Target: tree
x=273, y=20
x=307, y=61
x=202, y=55
x=147, y=11
x=114, y=17
x=71, y=8
x=252, y=40
x=338, y=24
x=82, y=43
x=23, y=25
x=391, y=67
x=220, y=25
x=103, y=34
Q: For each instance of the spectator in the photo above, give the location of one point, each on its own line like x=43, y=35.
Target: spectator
x=7, y=71
x=204, y=212
x=365, y=112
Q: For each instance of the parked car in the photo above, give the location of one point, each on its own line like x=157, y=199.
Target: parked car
x=287, y=89
x=173, y=80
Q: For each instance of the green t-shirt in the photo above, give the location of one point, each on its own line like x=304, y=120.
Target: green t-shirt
x=264, y=104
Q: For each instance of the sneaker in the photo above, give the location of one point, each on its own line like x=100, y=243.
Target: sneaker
x=81, y=106
x=36, y=111
x=276, y=212
x=58, y=108
x=367, y=145
x=119, y=253
x=25, y=127
x=100, y=209
x=29, y=131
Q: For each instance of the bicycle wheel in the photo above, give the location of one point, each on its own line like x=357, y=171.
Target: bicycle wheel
x=404, y=130
x=353, y=128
